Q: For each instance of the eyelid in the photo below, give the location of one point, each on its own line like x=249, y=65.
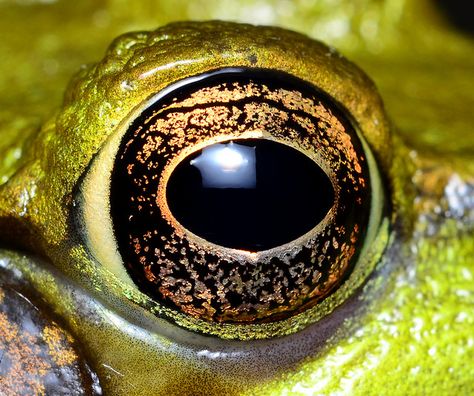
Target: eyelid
x=98, y=100
x=155, y=61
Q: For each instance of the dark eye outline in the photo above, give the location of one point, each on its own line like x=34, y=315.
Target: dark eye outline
x=94, y=234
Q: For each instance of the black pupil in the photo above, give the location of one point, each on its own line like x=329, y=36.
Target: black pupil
x=252, y=194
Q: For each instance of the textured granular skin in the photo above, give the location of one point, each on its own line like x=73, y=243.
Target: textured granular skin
x=207, y=281
x=415, y=336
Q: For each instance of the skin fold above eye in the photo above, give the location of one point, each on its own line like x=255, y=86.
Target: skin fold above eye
x=408, y=330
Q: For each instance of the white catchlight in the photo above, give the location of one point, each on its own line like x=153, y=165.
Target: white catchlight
x=227, y=166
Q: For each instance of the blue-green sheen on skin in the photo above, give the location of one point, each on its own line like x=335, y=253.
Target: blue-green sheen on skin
x=411, y=327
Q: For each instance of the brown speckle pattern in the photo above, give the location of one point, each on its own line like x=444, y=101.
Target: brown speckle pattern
x=37, y=356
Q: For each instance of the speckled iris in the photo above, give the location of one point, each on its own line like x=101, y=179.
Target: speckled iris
x=240, y=196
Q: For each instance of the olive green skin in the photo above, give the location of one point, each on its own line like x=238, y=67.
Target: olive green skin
x=408, y=330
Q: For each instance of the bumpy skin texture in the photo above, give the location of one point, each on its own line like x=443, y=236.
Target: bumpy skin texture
x=38, y=356
x=407, y=331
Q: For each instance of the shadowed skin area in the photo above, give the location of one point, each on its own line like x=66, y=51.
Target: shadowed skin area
x=407, y=330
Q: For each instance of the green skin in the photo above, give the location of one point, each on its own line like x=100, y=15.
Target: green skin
x=407, y=330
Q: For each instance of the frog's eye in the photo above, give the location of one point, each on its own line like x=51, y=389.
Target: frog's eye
x=237, y=196
x=233, y=190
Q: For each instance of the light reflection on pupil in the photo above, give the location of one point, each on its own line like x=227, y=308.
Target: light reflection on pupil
x=227, y=166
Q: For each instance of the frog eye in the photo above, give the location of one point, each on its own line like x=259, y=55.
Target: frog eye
x=240, y=196
x=232, y=192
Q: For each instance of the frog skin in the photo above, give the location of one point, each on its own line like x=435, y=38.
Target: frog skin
x=70, y=326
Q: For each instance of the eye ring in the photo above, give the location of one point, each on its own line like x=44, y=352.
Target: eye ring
x=227, y=255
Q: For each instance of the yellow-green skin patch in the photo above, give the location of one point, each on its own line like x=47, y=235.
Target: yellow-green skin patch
x=412, y=330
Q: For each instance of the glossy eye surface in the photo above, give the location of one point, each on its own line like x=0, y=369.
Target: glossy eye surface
x=240, y=196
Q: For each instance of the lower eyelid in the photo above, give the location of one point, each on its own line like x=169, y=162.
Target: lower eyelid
x=250, y=362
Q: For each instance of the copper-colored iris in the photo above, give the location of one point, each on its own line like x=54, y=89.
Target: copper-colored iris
x=195, y=272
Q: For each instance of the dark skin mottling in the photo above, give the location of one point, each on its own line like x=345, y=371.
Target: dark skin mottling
x=403, y=323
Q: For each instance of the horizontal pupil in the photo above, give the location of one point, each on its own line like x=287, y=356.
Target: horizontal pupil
x=252, y=194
